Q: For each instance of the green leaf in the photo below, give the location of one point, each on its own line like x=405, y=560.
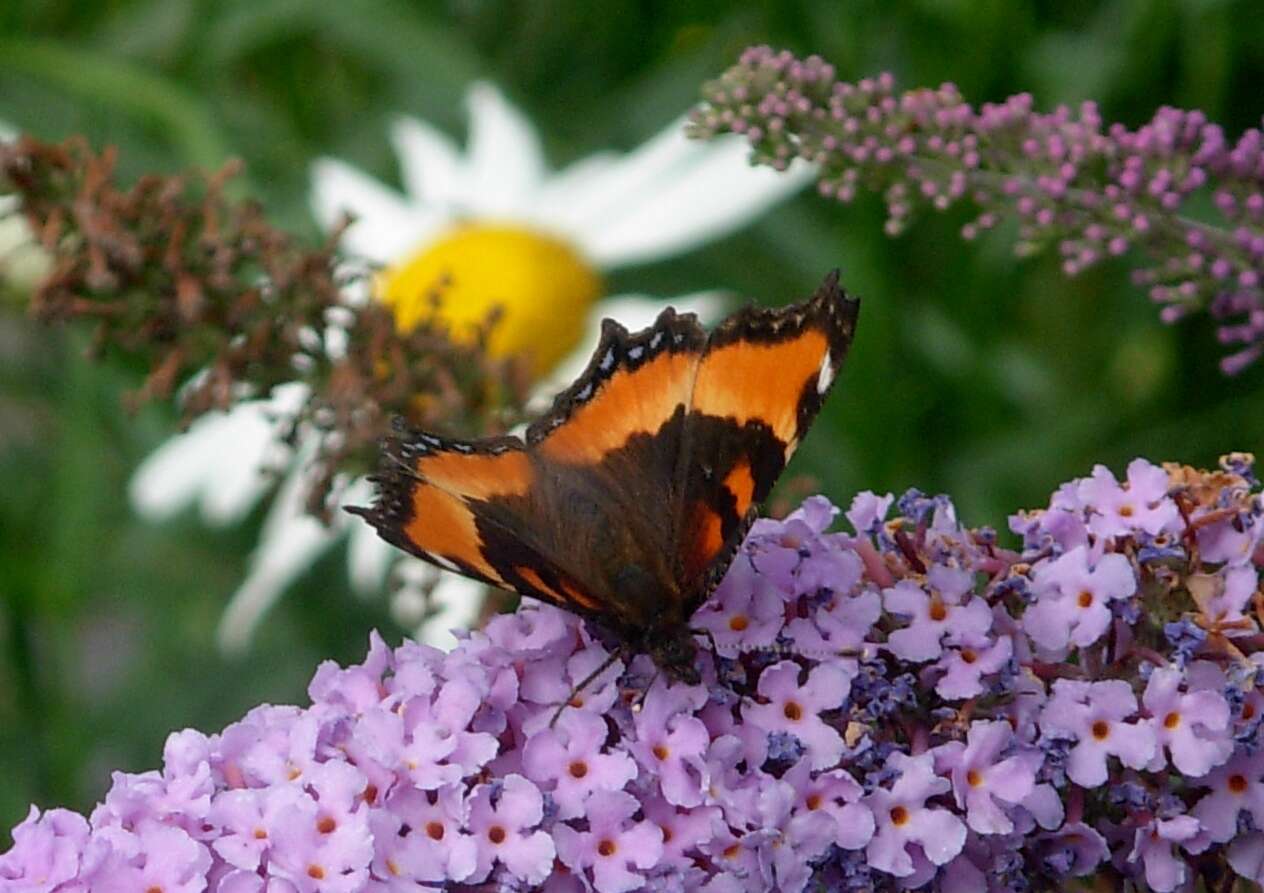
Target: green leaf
x=149, y=98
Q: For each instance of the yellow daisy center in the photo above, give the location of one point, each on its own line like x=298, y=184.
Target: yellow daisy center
x=540, y=285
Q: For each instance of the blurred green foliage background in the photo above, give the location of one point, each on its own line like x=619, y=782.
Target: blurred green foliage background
x=973, y=373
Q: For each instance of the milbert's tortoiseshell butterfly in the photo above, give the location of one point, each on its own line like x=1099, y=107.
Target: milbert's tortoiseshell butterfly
x=627, y=501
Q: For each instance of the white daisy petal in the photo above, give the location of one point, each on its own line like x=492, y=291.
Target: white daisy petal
x=457, y=603
x=430, y=164
x=562, y=196
x=369, y=556
x=626, y=180
x=290, y=543
x=217, y=462
x=506, y=162
x=173, y=475
x=386, y=226
x=223, y=462
x=706, y=193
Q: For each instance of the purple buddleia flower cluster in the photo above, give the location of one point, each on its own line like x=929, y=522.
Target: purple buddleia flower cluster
x=1188, y=198
x=908, y=705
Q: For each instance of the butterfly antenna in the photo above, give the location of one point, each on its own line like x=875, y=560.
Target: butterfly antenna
x=587, y=681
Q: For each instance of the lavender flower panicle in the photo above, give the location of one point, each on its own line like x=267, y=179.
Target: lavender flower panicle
x=1094, y=190
x=914, y=728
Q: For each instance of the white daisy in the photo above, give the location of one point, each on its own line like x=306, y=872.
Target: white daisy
x=23, y=263
x=504, y=232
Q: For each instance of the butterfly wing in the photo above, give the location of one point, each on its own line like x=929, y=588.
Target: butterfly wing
x=578, y=514
x=760, y=383
x=628, y=498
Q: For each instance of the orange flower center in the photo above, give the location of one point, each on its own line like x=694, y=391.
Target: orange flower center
x=738, y=622
x=968, y=656
x=607, y=848
x=1125, y=511
x=1172, y=721
x=1237, y=784
x=793, y=711
x=326, y=825
x=1085, y=599
x=899, y=816
x=1101, y=730
x=434, y=830
x=496, y=834
x=974, y=778
x=938, y=610
x=660, y=752
x=578, y=769
x=315, y=872
x=813, y=801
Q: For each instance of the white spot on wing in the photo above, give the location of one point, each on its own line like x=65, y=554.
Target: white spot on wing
x=444, y=563
x=826, y=376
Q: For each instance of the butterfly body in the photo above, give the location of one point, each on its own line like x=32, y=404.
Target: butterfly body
x=626, y=502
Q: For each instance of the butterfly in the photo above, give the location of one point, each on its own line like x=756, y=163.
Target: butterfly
x=626, y=502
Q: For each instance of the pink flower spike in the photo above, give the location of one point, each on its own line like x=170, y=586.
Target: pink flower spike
x=1155, y=845
x=1193, y=727
x=983, y=784
x=1093, y=714
x=836, y=794
x=966, y=661
x=1072, y=598
x=1236, y=786
x=903, y=818
x=614, y=846
x=1141, y=503
x=502, y=830
x=746, y=611
x=426, y=839
x=673, y=741
x=946, y=610
x=569, y=761
x=160, y=857
x=796, y=709
x=47, y=851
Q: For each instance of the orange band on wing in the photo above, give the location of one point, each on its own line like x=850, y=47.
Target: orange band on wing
x=568, y=594
x=579, y=597
x=748, y=381
x=479, y=476
x=706, y=540
x=741, y=484
x=632, y=401
x=443, y=525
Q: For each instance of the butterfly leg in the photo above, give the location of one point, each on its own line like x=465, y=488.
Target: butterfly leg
x=715, y=649
x=645, y=692
x=587, y=680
